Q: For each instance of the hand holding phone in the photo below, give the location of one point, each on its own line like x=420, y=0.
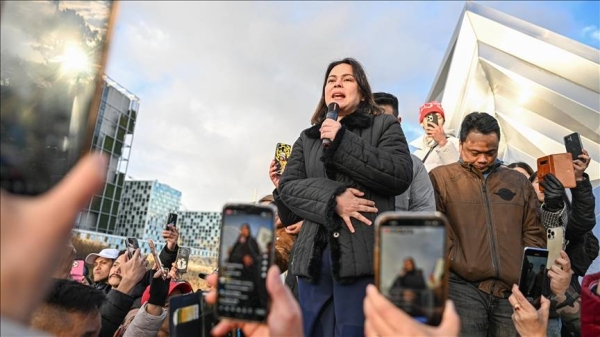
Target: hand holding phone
x=573, y=145
x=245, y=255
x=171, y=220
x=410, y=263
x=132, y=245
x=555, y=244
x=533, y=274
x=181, y=262
x=432, y=118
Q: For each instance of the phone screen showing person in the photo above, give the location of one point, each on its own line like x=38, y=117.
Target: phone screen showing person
x=245, y=255
x=183, y=257
x=132, y=245
x=410, y=263
x=533, y=282
x=171, y=220
x=53, y=55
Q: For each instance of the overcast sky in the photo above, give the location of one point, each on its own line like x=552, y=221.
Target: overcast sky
x=221, y=83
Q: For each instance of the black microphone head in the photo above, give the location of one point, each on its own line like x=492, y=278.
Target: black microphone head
x=333, y=107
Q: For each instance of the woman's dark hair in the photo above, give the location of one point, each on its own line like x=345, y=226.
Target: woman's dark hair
x=368, y=105
x=479, y=122
x=522, y=165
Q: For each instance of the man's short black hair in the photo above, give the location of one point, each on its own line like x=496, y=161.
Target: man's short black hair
x=383, y=98
x=72, y=296
x=481, y=122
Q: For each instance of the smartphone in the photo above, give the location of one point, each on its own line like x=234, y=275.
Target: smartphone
x=534, y=282
x=171, y=220
x=53, y=55
x=185, y=311
x=282, y=154
x=132, y=245
x=410, y=262
x=77, y=271
x=245, y=255
x=573, y=145
x=560, y=165
x=183, y=257
x=555, y=244
x=432, y=118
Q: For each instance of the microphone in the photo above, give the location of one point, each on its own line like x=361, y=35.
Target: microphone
x=332, y=112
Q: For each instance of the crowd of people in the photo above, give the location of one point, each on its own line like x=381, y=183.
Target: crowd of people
x=327, y=199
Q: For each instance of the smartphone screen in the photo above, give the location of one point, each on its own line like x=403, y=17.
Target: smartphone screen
x=183, y=257
x=282, y=153
x=573, y=145
x=533, y=282
x=171, y=220
x=245, y=255
x=410, y=263
x=132, y=245
x=53, y=54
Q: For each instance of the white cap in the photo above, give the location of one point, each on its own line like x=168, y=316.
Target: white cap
x=108, y=253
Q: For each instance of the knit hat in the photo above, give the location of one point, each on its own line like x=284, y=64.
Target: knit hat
x=430, y=107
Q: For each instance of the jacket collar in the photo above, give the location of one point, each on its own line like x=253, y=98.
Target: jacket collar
x=356, y=120
x=472, y=168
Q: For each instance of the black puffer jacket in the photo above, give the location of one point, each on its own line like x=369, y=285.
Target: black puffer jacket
x=370, y=154
x=582, y=246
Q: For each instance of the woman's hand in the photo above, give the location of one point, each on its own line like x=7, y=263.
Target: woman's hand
x=560, y=274
x=527, y=320
x=330, y=128
x=273, y=175
x=295, y=228
x=349, y=204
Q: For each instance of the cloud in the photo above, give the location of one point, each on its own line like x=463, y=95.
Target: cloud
x=591, y=32
x=222, y=82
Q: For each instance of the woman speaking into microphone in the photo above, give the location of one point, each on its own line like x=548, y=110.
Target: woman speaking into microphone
x=338, y=190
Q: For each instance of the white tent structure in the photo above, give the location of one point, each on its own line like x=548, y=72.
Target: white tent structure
x=541, y=86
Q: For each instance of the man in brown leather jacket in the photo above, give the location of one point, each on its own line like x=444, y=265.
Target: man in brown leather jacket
x=493, y=215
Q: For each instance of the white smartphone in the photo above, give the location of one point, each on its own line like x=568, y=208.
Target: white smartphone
x=555, y=244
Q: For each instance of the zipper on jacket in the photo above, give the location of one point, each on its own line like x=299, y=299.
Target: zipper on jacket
x=491, y=235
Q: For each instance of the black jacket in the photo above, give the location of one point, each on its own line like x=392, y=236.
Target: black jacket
x=582, y=247
x=118, y=304
x=369, y=153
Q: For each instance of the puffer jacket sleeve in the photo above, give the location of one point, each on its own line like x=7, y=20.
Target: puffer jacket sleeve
x=386, y=168
x=310, y=199
x=286, y=216
x=582, y=218
x=145, y=324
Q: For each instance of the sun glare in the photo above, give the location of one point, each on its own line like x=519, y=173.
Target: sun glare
x=74, y=60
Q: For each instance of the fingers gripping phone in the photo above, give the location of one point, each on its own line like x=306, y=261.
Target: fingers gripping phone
x=282, y=154
x=245, y=255
x=574, y=145
x=171, y=220
x=533, y=282
x=555, y=244
x=410, y=262
x=132, y=245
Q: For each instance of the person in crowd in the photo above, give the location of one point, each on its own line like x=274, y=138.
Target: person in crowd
x=102, y=263
x=564, y=299
x=284, y=241
x=245, y=249
x=493, y=215
x=40, y=224
x=406, y=287
x=521, y=167
x=410, y=276
x=71, y=309
x=338, y=190
x=435, y=148
x=530, y=277
x=590, y=303
x=152, y=319
x=538, y=282
x=419, y=196
x=578, y=220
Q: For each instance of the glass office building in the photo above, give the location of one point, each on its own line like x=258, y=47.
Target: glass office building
x=113, y=135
